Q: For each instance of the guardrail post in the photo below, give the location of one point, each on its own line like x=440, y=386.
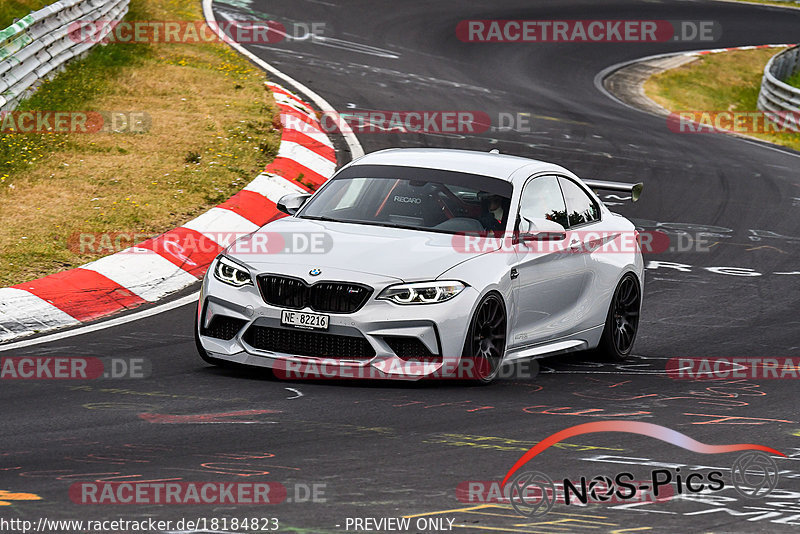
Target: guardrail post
x=776, y=96
x=40, y=44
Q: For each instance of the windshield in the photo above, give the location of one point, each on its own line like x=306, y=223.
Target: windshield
x=413, y=198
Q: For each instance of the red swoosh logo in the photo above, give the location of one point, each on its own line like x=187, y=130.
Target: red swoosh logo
x=634, y=427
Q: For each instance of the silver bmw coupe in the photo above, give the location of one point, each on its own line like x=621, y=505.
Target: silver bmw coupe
x=414, y=263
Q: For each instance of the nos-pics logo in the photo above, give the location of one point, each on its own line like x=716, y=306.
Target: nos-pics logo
x=754, y=474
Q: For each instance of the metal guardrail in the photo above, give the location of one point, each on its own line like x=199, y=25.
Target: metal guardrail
x=775, y=95
x=38, y=46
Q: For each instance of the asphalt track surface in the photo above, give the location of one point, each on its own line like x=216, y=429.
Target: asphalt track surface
x=390, y=449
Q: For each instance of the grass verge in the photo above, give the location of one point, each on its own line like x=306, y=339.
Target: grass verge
x=16, y=9
x=726, y=81
x=211, y=132
x=794, y=80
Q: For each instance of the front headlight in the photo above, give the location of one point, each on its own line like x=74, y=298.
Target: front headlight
x=422, y=292
x=231, y=273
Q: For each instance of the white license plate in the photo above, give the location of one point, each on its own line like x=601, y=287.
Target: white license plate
x=315, y=321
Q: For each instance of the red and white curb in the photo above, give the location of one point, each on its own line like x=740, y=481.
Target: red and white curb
x=159, y=266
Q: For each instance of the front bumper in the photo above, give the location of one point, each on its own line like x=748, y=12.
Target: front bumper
x=381, y=340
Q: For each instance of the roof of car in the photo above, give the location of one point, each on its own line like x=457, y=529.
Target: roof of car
x=467, y=161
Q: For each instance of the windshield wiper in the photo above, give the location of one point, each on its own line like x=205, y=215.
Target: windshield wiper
x=392, y=225
x=374, y=223
x=325, y=218
x=321, y=218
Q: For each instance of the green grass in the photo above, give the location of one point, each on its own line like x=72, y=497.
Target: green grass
x=213, y=130
x=727, y=81
x=87, y=79
x=794, y=80
x=77, y=88
x=16, y=9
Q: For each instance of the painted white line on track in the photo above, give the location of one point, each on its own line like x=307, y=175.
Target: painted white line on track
x=356, y=151
x=183, y=301
x=297, y=393
x=233, y=423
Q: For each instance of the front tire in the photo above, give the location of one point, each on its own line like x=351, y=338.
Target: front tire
x=622, y=322
x=486, y=339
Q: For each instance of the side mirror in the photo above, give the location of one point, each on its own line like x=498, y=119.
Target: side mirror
x=540, y=230
x=289, y=204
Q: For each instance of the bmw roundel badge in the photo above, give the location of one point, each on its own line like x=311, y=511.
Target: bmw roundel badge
x=315, y=272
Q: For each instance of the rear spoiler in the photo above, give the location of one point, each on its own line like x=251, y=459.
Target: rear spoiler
x=635, y=190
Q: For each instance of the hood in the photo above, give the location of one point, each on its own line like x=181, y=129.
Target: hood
x=297, y=245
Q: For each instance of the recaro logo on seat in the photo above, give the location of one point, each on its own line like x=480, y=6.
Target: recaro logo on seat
x=410, y=200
